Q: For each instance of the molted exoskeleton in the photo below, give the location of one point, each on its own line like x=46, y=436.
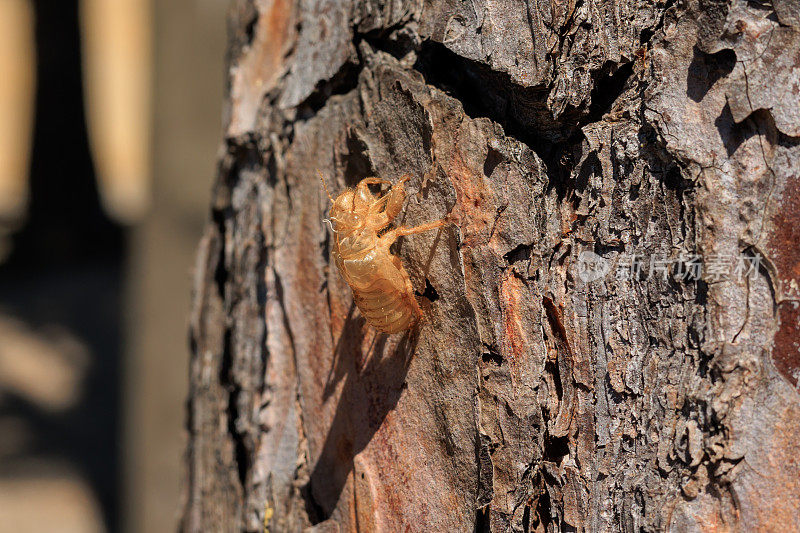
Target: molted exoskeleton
x=381, y=286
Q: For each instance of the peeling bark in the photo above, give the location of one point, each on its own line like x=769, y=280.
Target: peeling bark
x=531, y=398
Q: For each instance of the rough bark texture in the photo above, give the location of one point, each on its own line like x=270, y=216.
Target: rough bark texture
x=529, y=399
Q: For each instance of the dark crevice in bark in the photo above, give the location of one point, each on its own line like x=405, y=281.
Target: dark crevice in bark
x=430, y=292
x=342, y=82
x=526, y=519
x=543, y=513
x=397, y=44
x=272, y=169
x=765, y=272
x=520, y=253
x=482, y=522
x=314, y=510
x=485, y=93
x=786, y=141
x=226, y=377
x=733, y=134
x=675, y=181
x=242, y=155
x=261, y=296
x=558, y=333
x=555, y=448
x=220, y=272
x=241, y=455
x=604, y=249
x=491, y=356
x=521, y=111
x=608, y=86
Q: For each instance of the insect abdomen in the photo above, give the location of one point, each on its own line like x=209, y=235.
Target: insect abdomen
x=382, y=291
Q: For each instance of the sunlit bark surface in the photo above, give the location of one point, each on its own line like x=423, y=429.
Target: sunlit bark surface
x=575, y=369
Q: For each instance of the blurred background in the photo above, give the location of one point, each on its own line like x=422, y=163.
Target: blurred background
x=110, y=119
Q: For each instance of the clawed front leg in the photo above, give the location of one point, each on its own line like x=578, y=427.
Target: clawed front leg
x=386, y=208
x=373, y=181
x=395, y=198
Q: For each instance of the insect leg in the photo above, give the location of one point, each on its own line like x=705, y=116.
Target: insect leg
x=379, y=204
x=364, y=200
x=373, y=181
x=376, y=206
x=395, y=198
x=386, y=208
x=402, y=230
x=390, y=236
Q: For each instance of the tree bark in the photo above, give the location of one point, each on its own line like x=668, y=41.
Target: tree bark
x=639, y=139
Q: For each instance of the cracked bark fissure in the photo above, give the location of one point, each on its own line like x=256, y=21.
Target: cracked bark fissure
x=529, y=399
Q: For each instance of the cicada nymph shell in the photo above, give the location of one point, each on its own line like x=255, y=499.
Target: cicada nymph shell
x=382, y=289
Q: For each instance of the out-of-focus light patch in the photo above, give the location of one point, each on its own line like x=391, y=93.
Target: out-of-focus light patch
x=18, y=75
x=49, y=503
x=45, y=366
x=117, y=52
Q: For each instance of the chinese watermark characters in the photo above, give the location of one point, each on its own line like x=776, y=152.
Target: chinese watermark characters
x=685, y=267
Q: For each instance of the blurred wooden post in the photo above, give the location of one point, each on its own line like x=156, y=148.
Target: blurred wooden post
x=118, y=60
x=188, y=83
x=18, y=72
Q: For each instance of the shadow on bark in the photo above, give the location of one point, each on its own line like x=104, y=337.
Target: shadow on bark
x=374, y=379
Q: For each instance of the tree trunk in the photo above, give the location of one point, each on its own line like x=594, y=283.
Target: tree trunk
x=574, y=370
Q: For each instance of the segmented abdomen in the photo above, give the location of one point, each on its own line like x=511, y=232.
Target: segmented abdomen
x=381, y=289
